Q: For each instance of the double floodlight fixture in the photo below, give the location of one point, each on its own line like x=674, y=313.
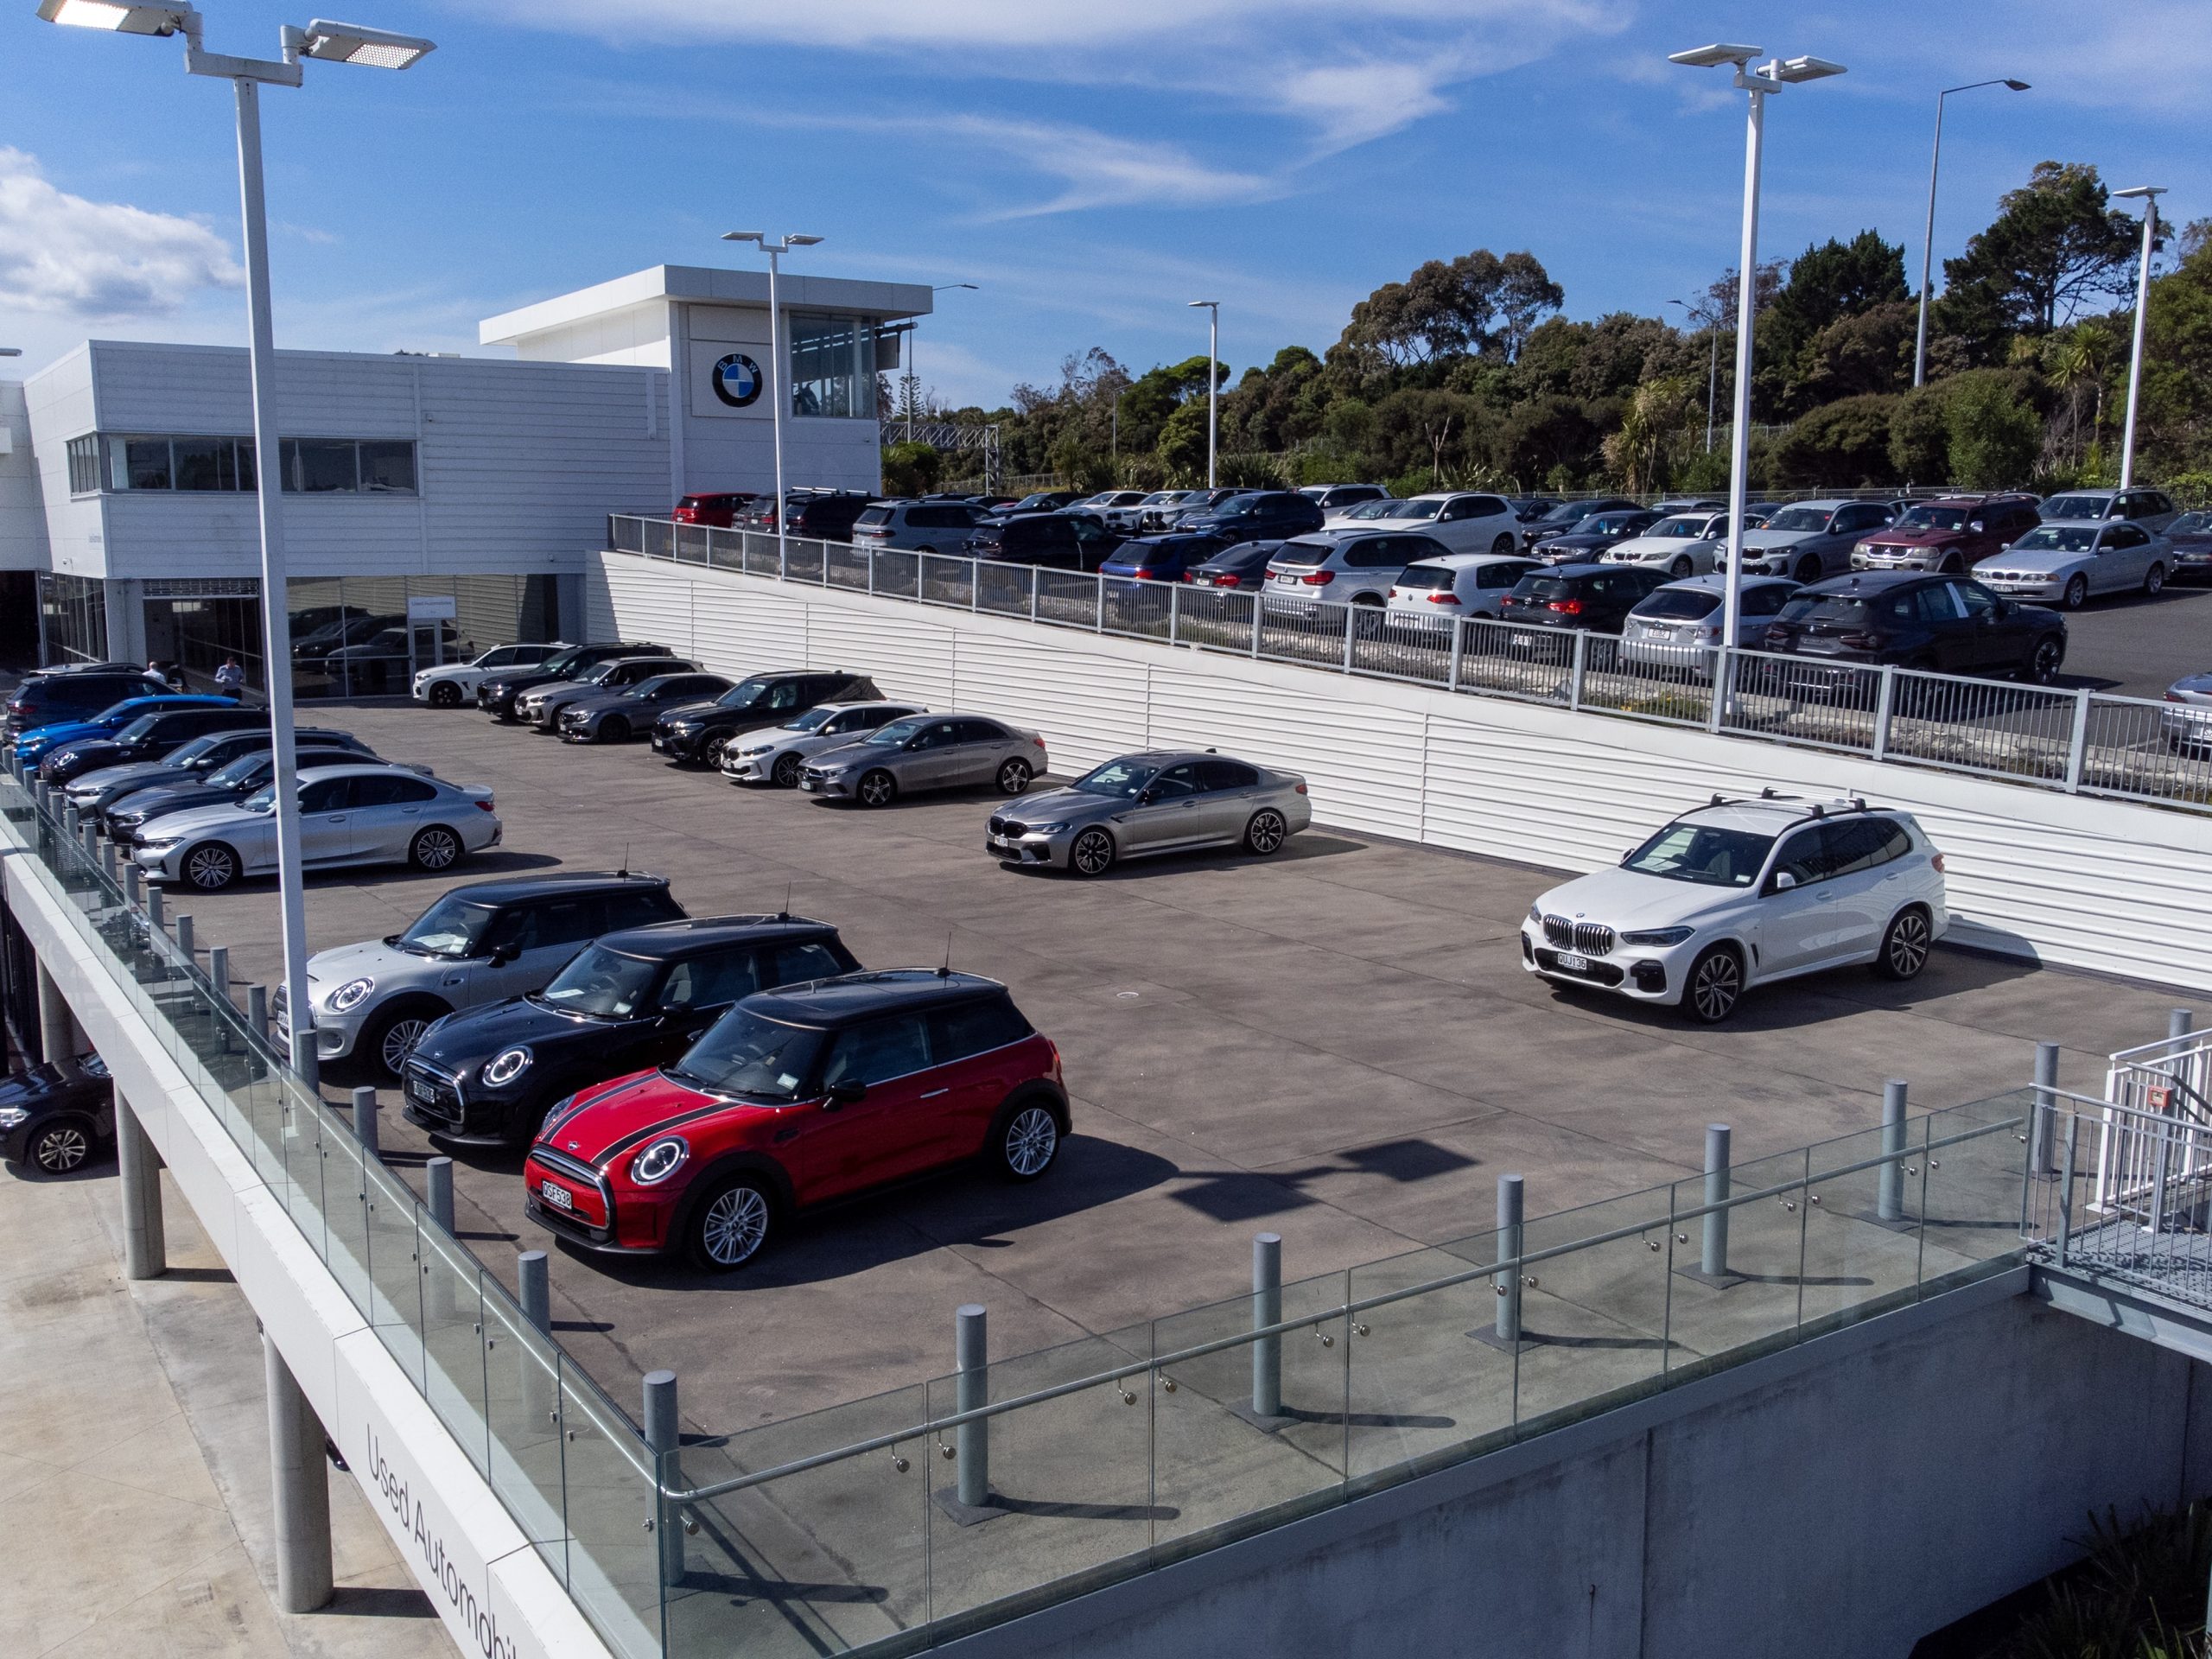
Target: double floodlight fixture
x=123, y=20
x=1767, y=78
x=373, y=48
x=2141, y=193
x=1712, y=57
x=760, y=238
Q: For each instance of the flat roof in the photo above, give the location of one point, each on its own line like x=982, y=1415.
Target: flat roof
x=797, y=291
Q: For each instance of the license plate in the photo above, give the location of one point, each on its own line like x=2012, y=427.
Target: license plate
x=660, y=742
x=1525, y=641
x=422, y=1091
x=1572, y=964
x=557, y=1197
x=1000, y=843
x=809, y=786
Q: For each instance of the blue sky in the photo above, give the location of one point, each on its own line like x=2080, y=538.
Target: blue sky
x=1091, y=167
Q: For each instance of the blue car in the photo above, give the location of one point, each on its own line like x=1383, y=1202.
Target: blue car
x=41, y=741
x=1162, y=558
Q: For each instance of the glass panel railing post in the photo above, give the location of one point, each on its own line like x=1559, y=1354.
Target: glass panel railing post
x=1889, y=1202
x=1713, y=1254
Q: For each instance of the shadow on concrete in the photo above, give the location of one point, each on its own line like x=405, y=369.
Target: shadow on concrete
x=1814, y=999
x=1297, y=849
x=365, y=1601
x=1243, y=1195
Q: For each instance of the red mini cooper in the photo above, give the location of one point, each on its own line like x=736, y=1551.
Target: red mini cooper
x=794, y=1096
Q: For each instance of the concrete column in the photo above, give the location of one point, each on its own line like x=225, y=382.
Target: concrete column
x=58, y=1034
x=145, y=1245
x=1509, y=1203
x=301, y=1490
x=2042, y=1123
x=1266, y=1310
x=663, y=1436
x=1889, y=1202
x=364, y=1121
x=972, y=1391
x=534, y=1284
x=1712, y=1251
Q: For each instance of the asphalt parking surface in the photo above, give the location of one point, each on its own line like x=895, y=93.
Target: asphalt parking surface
x=1339, y=1044
x=2137, y=647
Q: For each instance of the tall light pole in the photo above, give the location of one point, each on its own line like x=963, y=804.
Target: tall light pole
x=1928, y=243
x=1213, y=308
x=1712, y=367
x=1769, y=76
x=776, y=359
x=912, y=374
x=2148, y=194
x=334, y=42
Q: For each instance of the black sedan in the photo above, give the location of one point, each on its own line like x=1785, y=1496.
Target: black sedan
x=1598, y=597
x=1567, y=516
x=698, y=733
x=1244, y=565
x=628, y=1002
x=2191, y=536
x=496, y=694
x=55, y=1117
x=1597, y=534
x=1915, y=620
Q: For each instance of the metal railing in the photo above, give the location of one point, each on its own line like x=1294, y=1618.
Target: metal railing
x=2166, y=1083
x=2080, y=741
x=2142, y=1216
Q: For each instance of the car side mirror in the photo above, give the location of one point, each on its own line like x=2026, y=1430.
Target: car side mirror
x=504, y=955
x=839, y=1095
x=1784, y=880
x=1145, y=797
x=1976, y=525
x=390, y=940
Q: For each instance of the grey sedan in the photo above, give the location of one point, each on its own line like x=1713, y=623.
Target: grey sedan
x=1166, y=802
x=2186, y=718
x=926, y=752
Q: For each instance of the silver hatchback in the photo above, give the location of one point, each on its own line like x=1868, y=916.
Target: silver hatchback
x=776, y=755
x=926, y=752
x=1167, y=801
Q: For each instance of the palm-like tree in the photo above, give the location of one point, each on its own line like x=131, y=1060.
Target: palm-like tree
x=2082, y=355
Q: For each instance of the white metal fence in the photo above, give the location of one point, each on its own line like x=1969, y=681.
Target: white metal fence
x=2079, y=742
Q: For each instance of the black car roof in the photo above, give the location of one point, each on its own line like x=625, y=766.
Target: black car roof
x=853, y=997
x=510, y=889
x=1875, y=581
x=667, y=941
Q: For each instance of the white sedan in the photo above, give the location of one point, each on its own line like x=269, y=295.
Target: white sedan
x=1743, y=893
x=1463, y=520
x=2063, y=562
x=360, y=814
x=455, y=683
x=1685, y=545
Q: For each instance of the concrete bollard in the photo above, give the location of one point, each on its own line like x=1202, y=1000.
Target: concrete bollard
x=133, y=885
x=1266, y=1310
x=438, y=1305
x=535, y=1287
x=70, y=822
x=257, y=1010
x=155, y=903
x=364, y=1121
x=1507, y=1330
x=108, y=866
x=1889, y=1192
x=184, y=939
x=2042, y=1122
x=1712, y=1252
x=972, y=1391
x=664, y=1436
x=88, y=837
x=437, y=1174
x=219, y=981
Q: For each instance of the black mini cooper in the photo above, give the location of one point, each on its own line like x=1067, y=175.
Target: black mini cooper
x=627, y=1002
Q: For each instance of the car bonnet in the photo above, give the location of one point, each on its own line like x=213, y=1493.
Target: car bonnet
x=1628, y=900
x=621, y=1116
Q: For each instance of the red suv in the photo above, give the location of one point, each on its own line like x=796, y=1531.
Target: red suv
x=794, y=1096
x=1953, y=535
x=720, y=509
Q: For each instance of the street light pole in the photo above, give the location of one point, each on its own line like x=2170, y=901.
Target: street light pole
x=2148, y=194
x=776, y=360
x=1928, y=242
x=1771, y=77
x=342, y=43
x=1213, y=380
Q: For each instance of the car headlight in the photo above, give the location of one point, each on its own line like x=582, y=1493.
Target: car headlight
x=1537, y=914
x=1863, y=547
x=13, y=1117
x=351, y=995
x=160, y=844
x=1659, y=936
x=659, y=1161
x=561, y=1111
x=757, y=749
x=504, y=1067
x=1047, y=829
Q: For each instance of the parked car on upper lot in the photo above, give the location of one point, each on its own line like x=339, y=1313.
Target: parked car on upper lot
x=125, y=821
x=1067, y=540
x=1952, y=535
x=1242, y=564
x=828, y=515
x=148, y=738
x=1167, y=557
x=1343, y=566
x=35, y=745
x=1598, y=597
x=475, y=944
x=1743, y=894
x=1130, y=519
x=1678, y=627
x=2191, y=537
x=187, y=763
x=814, y=1092
x=1689, y=503
x=1949, y=624
x=1596, y=536
x=917, y=526
x=1434, y=590
x=1808, y=540
x=1255, y=515
x=701, y=734
x=1163, y=801
x=1105, y=503
x=618, y=716
x=53, y=698
x=2152, y=510
x=2063, y=562
x=1683, y=545
x=1462, y=520
x=2186, y=721
x=629, y=1001
x=1562, y=516
x=349, y=814
x=1530, y=508
x=926, y=752
x=776, y=754
x=1164, y=508
x=719, y=508
x=497, y=692
x=542, y=707
x=1047, y=501
x=450, y=684
x=1333, y=499
x=58, y=1117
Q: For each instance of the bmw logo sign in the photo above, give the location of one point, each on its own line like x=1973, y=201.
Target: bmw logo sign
x=737, y=380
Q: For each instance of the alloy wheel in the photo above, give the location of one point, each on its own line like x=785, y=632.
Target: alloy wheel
x=446, y=695
x=786, y=771
x=1030, y=1140
x=1013, y=777
x=61, y=1149
x=877, y=789
x=2044, y=668
x=1904, y=953
x=398, y=1042
x=2153, y=580
x=2076, y=594
x=1092, y=852
x=712, y=753
x=1266, y=832
x=1716, y=983
x=734, y=1226
x=435, y=848
x=1680, y=568
x=210, y=869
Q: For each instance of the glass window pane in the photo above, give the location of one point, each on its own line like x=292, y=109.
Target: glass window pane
x=145, y=463
x=388, y=465
x=204, y=464
x=825, y=354
x=319, y=465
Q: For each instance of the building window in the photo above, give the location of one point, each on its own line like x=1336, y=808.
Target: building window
x=833, y=366
x=311, y=466
x=72, y=616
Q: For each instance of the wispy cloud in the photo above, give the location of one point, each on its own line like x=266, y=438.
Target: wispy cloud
x=99, y=261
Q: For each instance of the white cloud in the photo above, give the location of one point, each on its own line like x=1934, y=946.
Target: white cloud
x=1097, y=168
x=64, y=255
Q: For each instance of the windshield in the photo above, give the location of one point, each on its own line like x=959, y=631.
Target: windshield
x=2057, y=538
x=604, y=672
x=1700, y=852
x=1423, y=510
x=137, y=730
x=873, y=516
x=184, y=753
x=1545, y=588
x=246, y=769
x=744, y=1055
x=2190, y=523
x=1238, y=506
x=1569, y=512
x=896, y=732
x=261, y=800
x=1679, y=528
x=812, y=720
x=1930, y=517
x=1610, y=524
x=1425, y=578
x=603, y=983
x=2076, y=506
x=1304, y=552
x=743, y=694
x=1121, y=778
x=1677, y=605
x=1376, y=509
x=1800, y=519
x=452, y=927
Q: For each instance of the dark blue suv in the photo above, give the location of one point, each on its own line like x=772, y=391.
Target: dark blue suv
x=1257, y=515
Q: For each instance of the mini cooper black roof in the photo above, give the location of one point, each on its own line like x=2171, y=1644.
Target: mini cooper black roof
x=512, y=889
x=667, y=941
x=853, y=997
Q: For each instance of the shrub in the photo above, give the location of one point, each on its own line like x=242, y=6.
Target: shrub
x=1842, y=445
x=1995, y=439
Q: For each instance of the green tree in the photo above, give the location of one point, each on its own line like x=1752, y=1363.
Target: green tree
x=911, y=468
x=1995, y=437
x=1474, y=304
x=1182, y=446
x=1842, y=445
x=1829, y=286
x=1653, y=435
x=2057, y=246
x=2177, y=406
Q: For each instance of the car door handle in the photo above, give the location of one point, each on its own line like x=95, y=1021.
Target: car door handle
x=934, y=1093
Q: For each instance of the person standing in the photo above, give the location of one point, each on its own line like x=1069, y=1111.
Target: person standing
x=230, y=678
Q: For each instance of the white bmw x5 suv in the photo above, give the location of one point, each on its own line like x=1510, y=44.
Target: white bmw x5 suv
x=1743, y=893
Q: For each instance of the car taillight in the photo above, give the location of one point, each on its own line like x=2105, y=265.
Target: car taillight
x=1301, y=789
x=1863, y=641
x=1229, y=582
x=1935, y=863
x=1443, y=599
x=1566, y=607
x=1318, y=578
x=484, y=805
x=1038, y=742
x=2174, y=696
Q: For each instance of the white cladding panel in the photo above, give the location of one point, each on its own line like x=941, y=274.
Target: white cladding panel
x=630, y=606
x=744, y=633
x=23, y=515
x=2092, y=883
